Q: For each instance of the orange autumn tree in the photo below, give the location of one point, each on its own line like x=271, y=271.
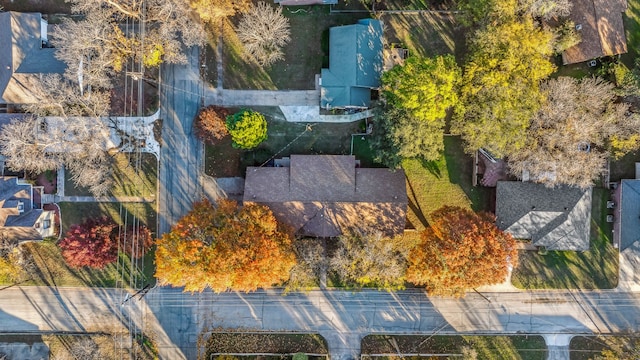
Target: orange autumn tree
x=460, y=251
x=225, y=247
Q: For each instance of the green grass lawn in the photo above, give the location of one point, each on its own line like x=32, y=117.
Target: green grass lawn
x=487, y=347
x=303, y=55
x=284, y=138
x=425, y=34
x=625, y=167
x=431, y=185
x=631, y=19
x=596, y=268
x=127, y=180
x=75, y=213
x=42, y=6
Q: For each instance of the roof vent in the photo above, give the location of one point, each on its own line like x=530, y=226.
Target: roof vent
x=20, y=207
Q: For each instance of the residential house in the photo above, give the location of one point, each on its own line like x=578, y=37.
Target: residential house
x=554, y=218
x=355, y=65
x=600, y=25
x=326, y=195
x=26, y=56
x=626, y=227
x=20, y=218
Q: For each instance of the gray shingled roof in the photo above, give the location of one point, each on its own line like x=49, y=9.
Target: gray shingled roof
x=23, y=57
x=557, y=218
x=629, y=213
x=355, y=64
x=14, y=225
x=319, y=195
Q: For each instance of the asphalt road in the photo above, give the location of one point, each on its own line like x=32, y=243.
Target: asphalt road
x=181, y=155
x=342, y=317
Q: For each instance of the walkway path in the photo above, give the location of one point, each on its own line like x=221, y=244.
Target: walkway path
x=114, y=199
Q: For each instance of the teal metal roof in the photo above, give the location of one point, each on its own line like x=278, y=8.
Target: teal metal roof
x=355, y=64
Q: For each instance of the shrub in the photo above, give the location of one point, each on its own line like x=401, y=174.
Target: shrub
x=210, y=124
x=247, y=128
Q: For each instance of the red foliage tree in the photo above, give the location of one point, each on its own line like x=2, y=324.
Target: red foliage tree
x=460, y=251
x=225, y=248
x=135, y=242
x=95, y=243
x=210, y=124
x=90, y=243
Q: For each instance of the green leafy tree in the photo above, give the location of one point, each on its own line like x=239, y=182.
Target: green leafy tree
x=424, y=87
x=418, y=95
x=225, y=247
x=398, y=135
x=500, y=88
x=460, y=251
x=247, y=128
x=484, y=12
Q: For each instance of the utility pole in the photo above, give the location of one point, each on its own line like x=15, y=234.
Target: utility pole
x=484, y=297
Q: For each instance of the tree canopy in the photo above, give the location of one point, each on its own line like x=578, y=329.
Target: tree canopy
x=365, y=259
x=95, y=242
x=424, y=87
x=418, y=95
x=574, y=131
x=214, y=10
x=247, y=128
x=210, y=124
x=500, y=87
x=225, y=247
x=264, y=31
x=460, y=251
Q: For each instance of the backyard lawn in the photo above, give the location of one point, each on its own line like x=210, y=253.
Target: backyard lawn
x=596, y=268
x=625, y=167
x=304, y=55
x=487, y=347
x=284, y=138
x=132, y=176
x=431, y=185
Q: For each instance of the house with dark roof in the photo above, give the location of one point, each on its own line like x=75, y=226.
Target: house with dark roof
x=555, y=218
x=25, y=56
x=326, y=195
x=20, y=218
x=600, y=25
x=355, y=65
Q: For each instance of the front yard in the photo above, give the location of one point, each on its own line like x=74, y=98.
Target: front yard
x=133, y=175
x=596, y=268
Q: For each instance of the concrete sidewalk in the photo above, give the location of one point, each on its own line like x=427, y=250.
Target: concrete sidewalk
x=226, y=97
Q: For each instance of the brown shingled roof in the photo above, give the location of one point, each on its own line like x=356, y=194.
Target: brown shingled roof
x=602, y=30
x=320, y=195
